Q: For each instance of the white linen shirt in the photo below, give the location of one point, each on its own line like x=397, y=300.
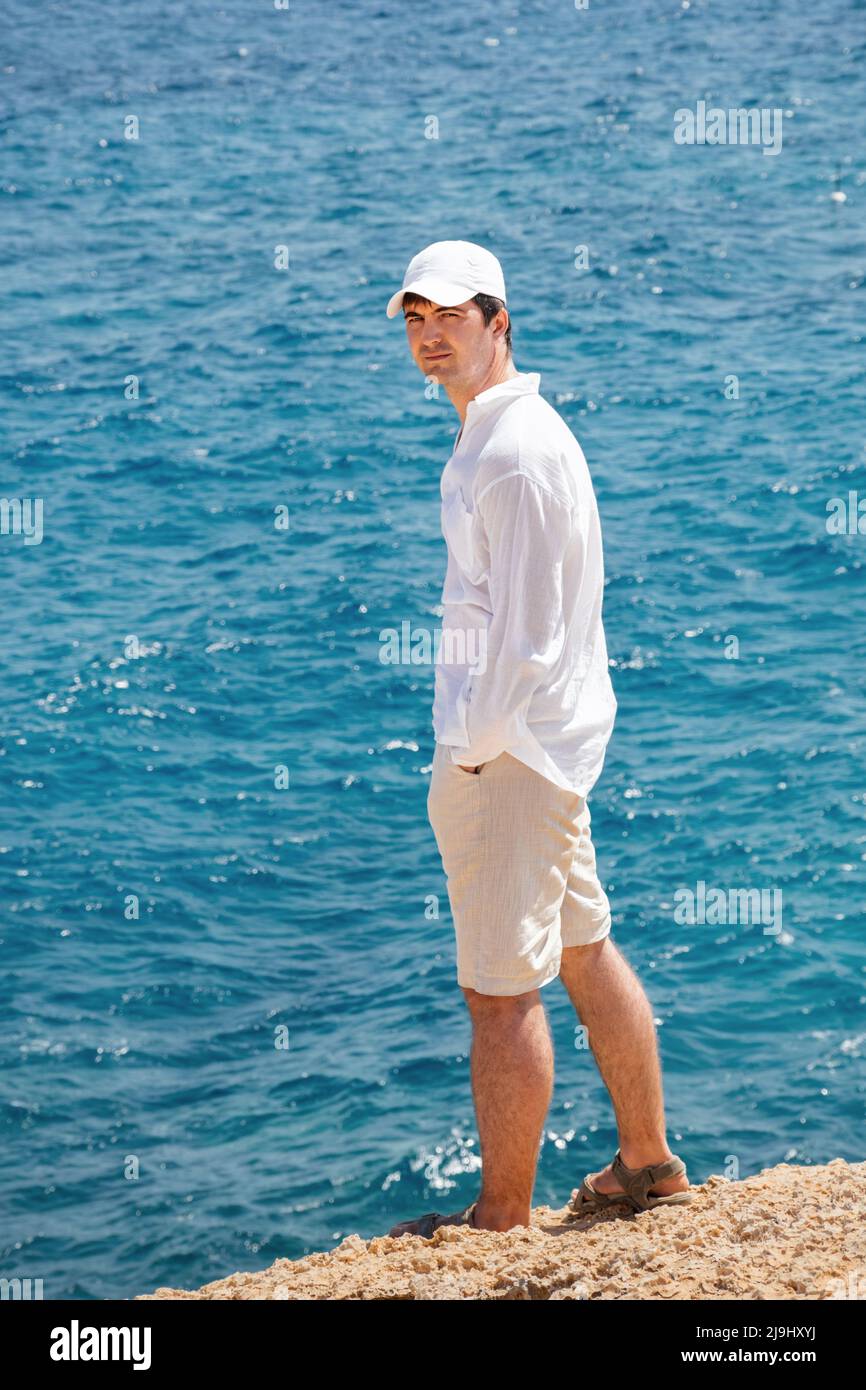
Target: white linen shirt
x=523, y=664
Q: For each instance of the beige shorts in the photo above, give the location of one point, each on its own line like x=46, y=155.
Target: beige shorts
x=520, y=866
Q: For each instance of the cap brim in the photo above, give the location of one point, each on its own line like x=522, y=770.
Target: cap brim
x=437, y=291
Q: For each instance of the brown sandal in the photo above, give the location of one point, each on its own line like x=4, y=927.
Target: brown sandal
x=425, y=1225
x=636, y=1184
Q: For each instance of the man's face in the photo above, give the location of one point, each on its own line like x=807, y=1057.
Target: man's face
x=453, y=343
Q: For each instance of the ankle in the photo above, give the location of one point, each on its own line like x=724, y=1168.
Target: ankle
x=644, y=1156
x=499, y=1216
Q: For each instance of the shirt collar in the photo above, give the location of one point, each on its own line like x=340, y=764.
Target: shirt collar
x=521, y=385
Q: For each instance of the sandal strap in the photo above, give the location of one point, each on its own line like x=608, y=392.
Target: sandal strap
x=426, y=1224
x=434, y=1219
x=638, y=1181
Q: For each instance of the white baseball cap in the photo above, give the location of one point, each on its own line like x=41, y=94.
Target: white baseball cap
x=450, y=272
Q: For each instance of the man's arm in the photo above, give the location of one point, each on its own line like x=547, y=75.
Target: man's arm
x=528, y=532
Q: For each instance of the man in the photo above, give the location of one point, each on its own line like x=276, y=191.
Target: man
x=520, y=741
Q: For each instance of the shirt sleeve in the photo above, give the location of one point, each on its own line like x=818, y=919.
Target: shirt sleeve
x=528, y=531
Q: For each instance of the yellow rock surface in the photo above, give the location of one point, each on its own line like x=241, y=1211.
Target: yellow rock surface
x=789, y=1233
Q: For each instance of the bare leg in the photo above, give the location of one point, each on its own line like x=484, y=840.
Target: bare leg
x=611, y=1004
x=512, y=1084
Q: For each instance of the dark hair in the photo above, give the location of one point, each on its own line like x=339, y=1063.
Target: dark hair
x=490, y=306
x=487, y=303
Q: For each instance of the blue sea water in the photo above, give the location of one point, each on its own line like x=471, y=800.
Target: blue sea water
x=166, y=647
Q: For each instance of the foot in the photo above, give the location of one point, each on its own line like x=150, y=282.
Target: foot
x=424, y=1226
x=606, y=1183
x=477, y=1215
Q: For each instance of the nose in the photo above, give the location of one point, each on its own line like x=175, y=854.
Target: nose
x=430, y=334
